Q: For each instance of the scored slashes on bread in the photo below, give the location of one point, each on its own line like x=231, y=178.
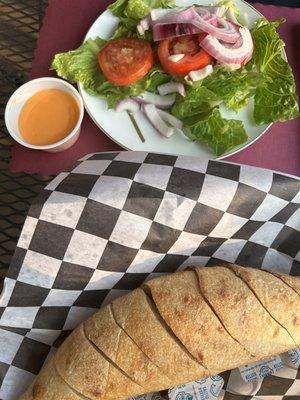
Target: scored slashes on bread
x=172, y=330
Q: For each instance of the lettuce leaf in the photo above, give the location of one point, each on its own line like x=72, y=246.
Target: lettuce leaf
x=234, y=88
x=118, y=7
x=199, y=110
x=81, y=65
x=198, y=99
x=219, y=134
x=131, y=11
x=113, y=93
x=230, y=4
x=128, y=28
x=277, y=100
x=137, y=9
x=267, y=43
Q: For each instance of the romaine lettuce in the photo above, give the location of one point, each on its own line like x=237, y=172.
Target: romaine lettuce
x=219, y=134
x=203, y=122
x=198, y=99
x=234, y=88
x=113, y=93
x=201, y=119
x=126, y=28
x=118, y=7
x=277, y=100
x=137, y=9
x=81, y=65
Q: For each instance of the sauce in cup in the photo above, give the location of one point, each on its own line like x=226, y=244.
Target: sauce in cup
x=48, y=117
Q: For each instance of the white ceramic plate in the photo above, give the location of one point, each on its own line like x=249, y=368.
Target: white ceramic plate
x=119, y=127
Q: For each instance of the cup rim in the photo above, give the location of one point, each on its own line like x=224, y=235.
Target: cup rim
x=75, y=93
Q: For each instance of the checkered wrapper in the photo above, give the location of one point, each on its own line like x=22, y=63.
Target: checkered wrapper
x=117, y=219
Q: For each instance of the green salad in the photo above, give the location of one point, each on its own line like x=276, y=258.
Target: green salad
x=178, y=65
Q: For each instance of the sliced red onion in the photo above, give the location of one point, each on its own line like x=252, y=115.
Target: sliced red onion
x=175, y=24
x=188, y=80
x=248, y=58
x=228, y=32
x=156, y=99
x=189, y=22
x=201, y=73
x=192, y=20
x=166, y=31
x=203, y=12
x=140, y=29
x=177, y=17
x=218, y=11
x=156, y=120
x=157, y=13
x=228, y=55
x=127, y=105
x=171, y=87
x=170, y=119
x=145, y=23
x=213, y=21
x=236, y=45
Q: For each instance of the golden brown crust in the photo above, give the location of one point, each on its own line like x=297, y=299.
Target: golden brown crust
x=278, y=299
x=134, y=313
x=127, y=348
x=292, y=281
x=241, y=313
x=192, y=320
x=102, y=330
x=49, y=386
x=84, y=368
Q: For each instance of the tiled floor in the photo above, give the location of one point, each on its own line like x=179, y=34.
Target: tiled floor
x=19, y=25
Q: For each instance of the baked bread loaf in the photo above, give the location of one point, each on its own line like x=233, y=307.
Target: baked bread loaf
x=174, y=329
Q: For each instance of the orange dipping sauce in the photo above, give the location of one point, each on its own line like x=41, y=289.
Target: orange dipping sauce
x=48, y=117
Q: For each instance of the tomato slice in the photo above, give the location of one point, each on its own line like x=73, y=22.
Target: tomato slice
x=195, y=57
x=124, y=61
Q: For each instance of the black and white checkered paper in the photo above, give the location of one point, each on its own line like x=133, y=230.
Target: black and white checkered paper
x=117, y=219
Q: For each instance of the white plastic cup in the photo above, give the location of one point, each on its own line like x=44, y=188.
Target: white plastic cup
x=19, y=98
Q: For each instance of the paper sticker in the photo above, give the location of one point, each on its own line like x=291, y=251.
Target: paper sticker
x=237, y=385
x=294, y=356
x=204, y=389
x=261, y=369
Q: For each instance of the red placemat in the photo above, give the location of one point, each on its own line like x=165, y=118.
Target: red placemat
x=64, y=27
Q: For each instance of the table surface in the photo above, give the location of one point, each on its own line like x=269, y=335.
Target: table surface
x=20, y=21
